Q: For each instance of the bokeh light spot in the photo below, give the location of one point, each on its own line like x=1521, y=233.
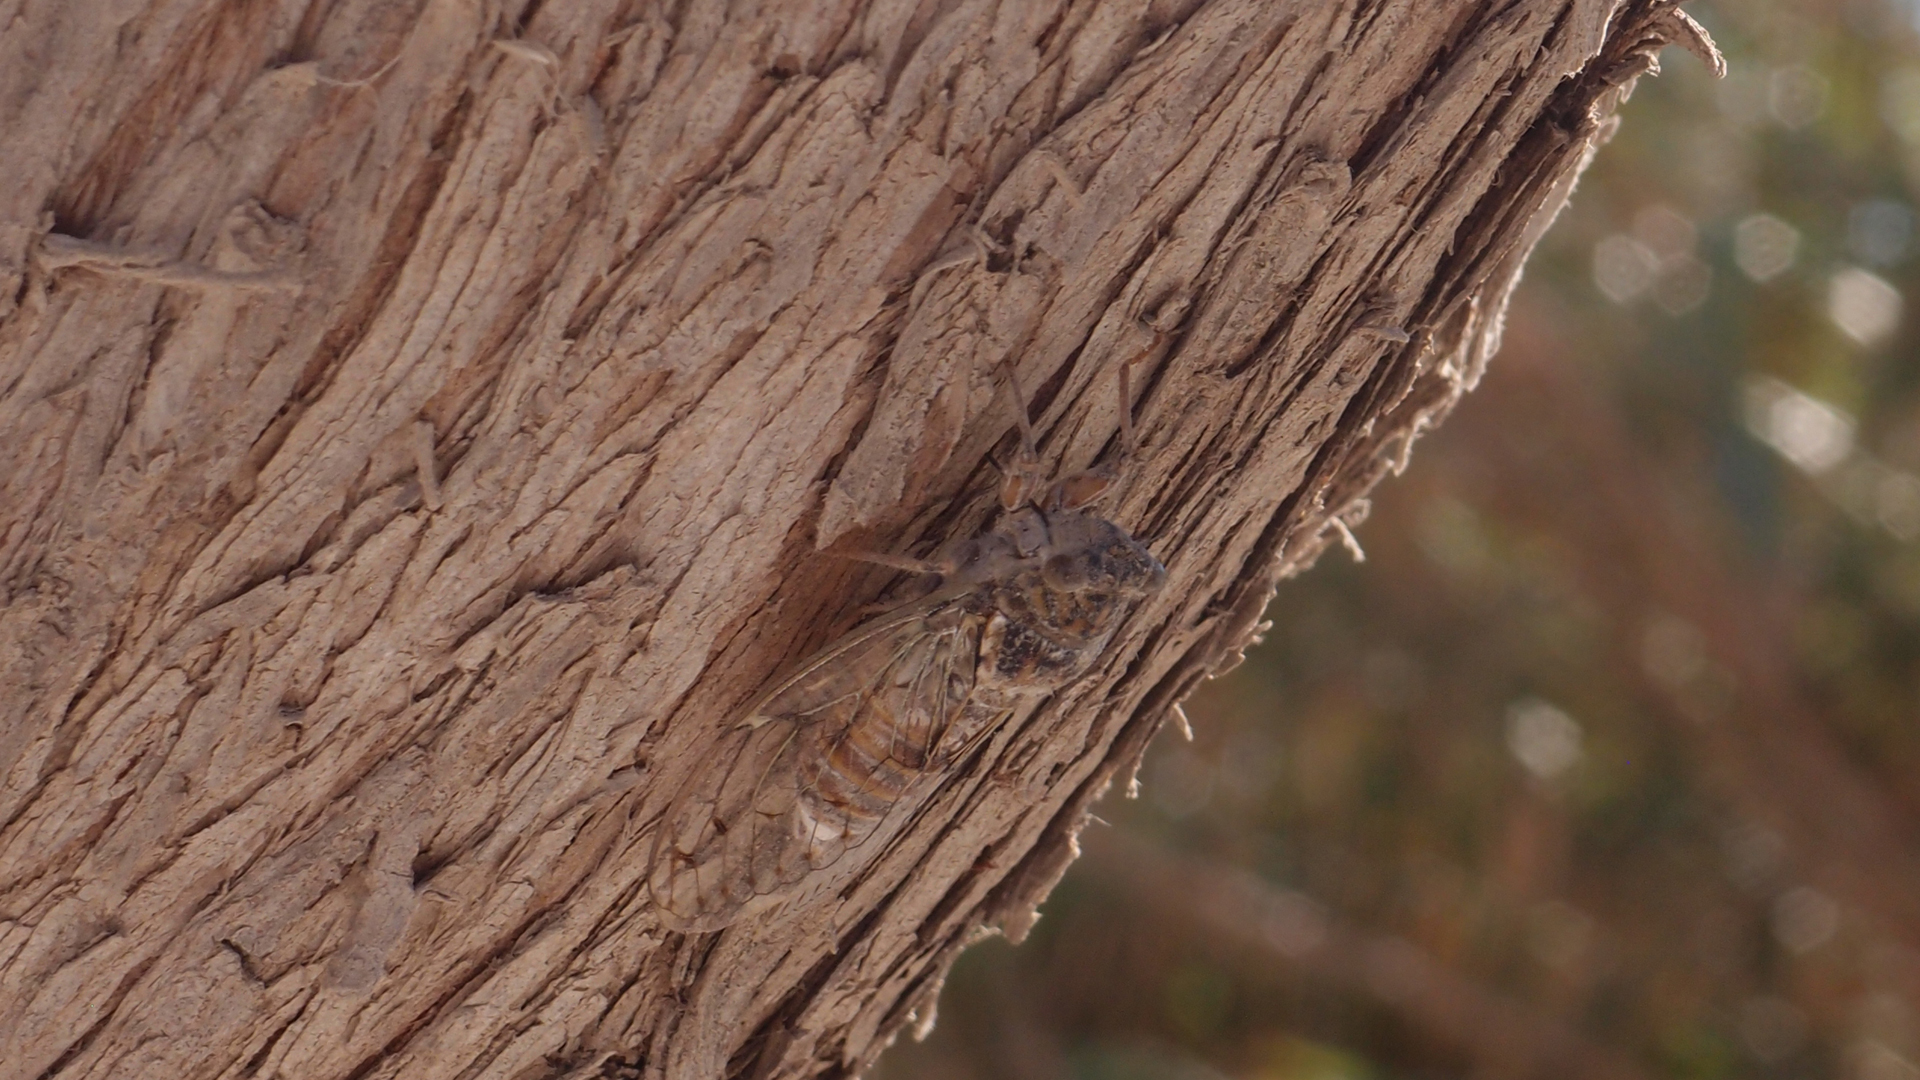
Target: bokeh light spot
x=1684, y=284
x=1753, y=853
x=1673, y=652
x=1293, y=924
x=1544, y=739
x=1900, y=103
x=1804, y=919
x=1764, y=247
x=1808, y=432
x=1623, y=268
x=1668, y=233
x=1898, y=508
x=1796, y=96
x=1863, y=305
x=1884, y=1015
x=1875, y=493
x=1875, y=1060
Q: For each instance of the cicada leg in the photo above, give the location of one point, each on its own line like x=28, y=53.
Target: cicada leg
x=1084, y=488
x=1027, y=476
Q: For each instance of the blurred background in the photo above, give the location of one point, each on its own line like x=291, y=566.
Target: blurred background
x=1606, y=762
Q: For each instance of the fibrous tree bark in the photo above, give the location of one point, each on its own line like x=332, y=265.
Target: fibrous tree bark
x=430, y=421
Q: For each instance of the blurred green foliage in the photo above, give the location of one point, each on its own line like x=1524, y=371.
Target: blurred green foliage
x=1606, y=761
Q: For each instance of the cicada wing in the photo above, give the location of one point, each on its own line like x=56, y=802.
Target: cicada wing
x=815, y=766
x=697, y=877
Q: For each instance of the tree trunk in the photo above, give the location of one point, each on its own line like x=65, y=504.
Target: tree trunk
x=428, y=421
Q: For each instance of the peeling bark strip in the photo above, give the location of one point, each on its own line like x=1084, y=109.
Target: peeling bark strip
x=425, y=418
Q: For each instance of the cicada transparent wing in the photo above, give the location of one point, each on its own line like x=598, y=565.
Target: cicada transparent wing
x=818, y=764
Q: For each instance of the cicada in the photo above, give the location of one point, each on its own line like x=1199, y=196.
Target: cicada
x=846, y=747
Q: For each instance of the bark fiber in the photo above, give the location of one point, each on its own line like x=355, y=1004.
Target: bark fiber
x=428, y=423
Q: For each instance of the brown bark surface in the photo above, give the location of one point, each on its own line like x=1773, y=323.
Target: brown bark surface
x=427, y=420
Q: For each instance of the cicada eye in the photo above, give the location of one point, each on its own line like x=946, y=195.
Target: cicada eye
x=1078, y=491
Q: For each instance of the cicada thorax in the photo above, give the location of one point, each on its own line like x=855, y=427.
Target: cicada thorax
x=1049, y=621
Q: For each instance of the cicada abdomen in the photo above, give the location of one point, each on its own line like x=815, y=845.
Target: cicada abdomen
x=818, y=764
